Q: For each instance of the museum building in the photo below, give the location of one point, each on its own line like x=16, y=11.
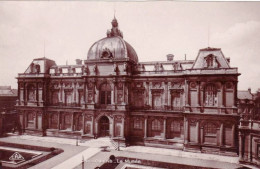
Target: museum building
x=181, y=104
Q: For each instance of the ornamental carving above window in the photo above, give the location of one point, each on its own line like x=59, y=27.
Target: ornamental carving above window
x=193, y=85
x=157, y=85
x=229, y=85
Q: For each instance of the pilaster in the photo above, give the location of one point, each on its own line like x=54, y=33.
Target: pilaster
x=198, y=131
x=221, y=131
x=241, y=147
x=72, y=122
x=145, y=126
x=164, y=127
x=186, y=130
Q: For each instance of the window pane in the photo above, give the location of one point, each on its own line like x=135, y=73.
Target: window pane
x=156, y=125
x=103, y=97
x=109, y=97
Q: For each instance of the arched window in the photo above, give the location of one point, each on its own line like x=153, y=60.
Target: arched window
x=138, y=123
x=105, y=94
x=156, y=125
x=210, y=129
x=210, y=95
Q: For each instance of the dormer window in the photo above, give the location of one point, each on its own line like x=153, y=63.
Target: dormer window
x=210, y=61
x=37, y=68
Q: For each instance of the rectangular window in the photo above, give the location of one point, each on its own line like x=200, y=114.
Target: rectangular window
x=68, y=99
x=157, y=101
x=55, y=98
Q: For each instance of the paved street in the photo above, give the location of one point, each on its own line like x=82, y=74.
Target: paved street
x=93, y=156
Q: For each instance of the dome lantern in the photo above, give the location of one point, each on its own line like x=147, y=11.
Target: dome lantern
x=112, y=47
x=114, y=30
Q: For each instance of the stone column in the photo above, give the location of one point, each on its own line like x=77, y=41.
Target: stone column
x=169, y=95
x=150, y=94
x=233, y=143
x=112, y=127
x=83, y=123
x=116, y=91
x=113, y=94
x=35, y=120
x=92, y=125
x=241, y=146
x=198, y=93
x=223, y=95
x=59, y=121
x=186, y=130
x=165, y=95
x=126, y=92
x=198, y=131
x=96, y=94
x=72, y=122
x=221, y=137
x=63, y=95
x=19, y=90
x=37, y=93
x=235, y=94
x=221, y=101
x=164, y=127
x=85, y=94
x=96, y=127
x=187, y=92
x=250, y=148
x=24, y=94
x=145, y=127
x=201, y=136
x=123, y=127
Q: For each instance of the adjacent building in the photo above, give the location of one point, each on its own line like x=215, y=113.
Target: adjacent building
x=181, y=104
x=249, y=128
x=8, y=115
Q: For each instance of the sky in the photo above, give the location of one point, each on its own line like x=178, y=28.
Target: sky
x=154, y=29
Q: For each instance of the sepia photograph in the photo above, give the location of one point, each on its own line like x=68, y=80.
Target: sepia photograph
x=129, y=84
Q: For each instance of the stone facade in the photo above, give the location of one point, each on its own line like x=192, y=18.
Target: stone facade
x=182, y=104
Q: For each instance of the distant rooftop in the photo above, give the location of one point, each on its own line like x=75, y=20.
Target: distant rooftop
x=7, y=91
x=244, y=94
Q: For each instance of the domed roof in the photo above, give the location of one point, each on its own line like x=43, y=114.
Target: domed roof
x=112, y=47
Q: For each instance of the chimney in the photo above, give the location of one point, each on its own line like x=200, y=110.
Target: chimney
x=249, y=90
x=78, y=61
x=228, y=59
x=170, y=57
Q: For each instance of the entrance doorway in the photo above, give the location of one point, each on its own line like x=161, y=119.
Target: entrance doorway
x=103, y=126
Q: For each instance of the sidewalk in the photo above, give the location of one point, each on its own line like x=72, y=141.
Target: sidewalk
x=77, y=159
